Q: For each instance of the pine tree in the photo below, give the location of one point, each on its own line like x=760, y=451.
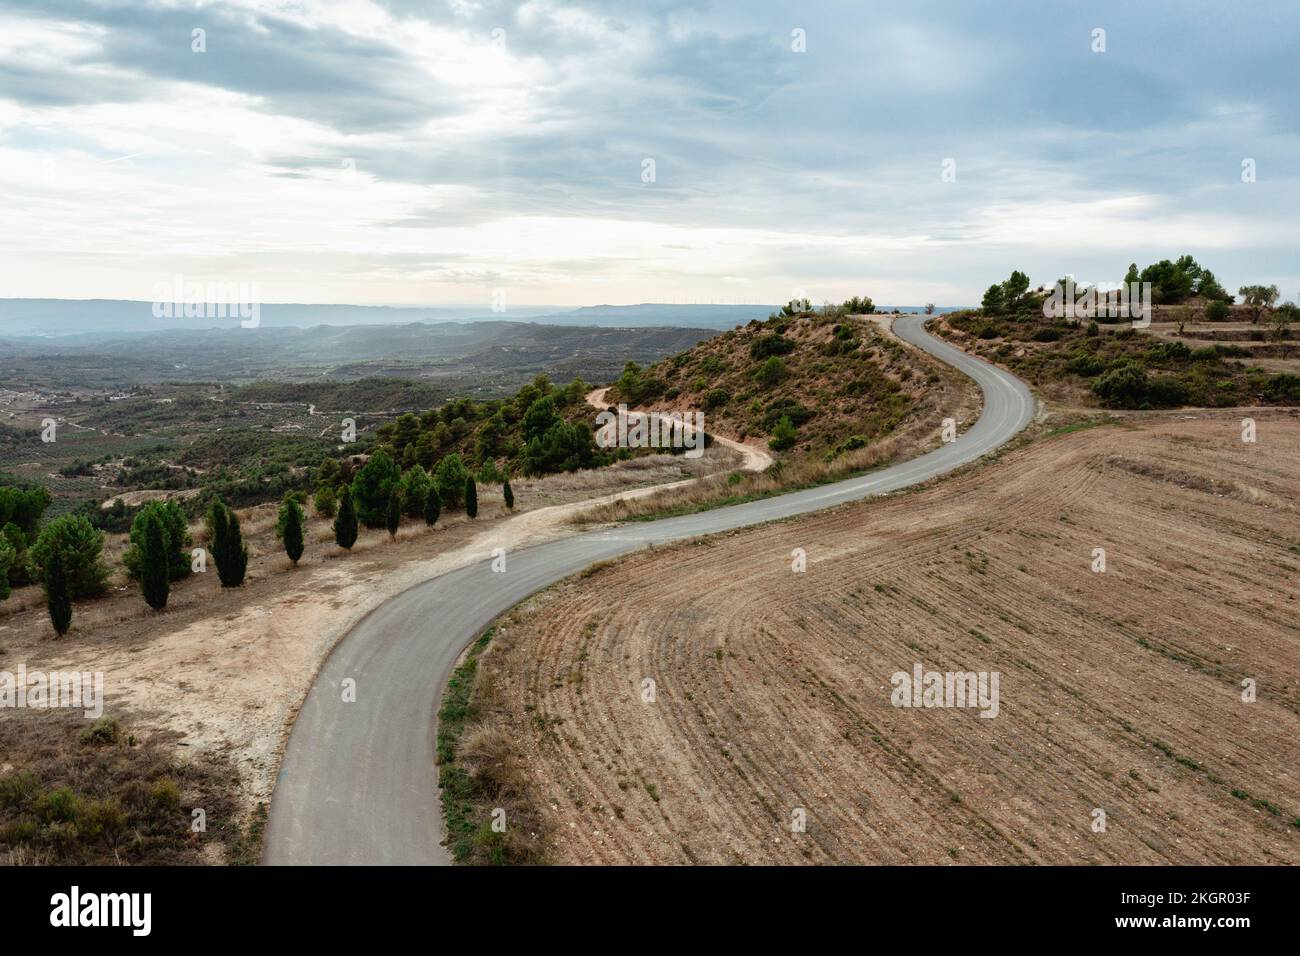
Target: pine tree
x=509, y=495
x=238, y=554
x=471, y=497
x=432, y=506
x=291, y=518
x=57, y=597
x=345, y=525
x=394, y=514
x=155, y=579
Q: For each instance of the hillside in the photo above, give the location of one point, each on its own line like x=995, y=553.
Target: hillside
x=835, y=377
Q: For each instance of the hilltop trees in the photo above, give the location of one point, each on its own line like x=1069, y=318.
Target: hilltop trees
x=345, y=525
x=288, y=527
x=1175, y=282
x=1010, y=295
x=227, y=545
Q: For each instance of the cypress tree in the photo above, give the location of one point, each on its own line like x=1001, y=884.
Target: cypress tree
x=508, y=494
x=219, y=533
x=155, y=579
x=345, y=525
x=394, y=514
x=471, y=497
x=238, y=554
x=58, y=599
x=432, y=506
x=292, y=533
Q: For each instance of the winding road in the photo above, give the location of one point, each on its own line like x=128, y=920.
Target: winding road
x=358, y=784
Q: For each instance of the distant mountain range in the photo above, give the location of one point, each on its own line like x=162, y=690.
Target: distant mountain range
x=61, y=317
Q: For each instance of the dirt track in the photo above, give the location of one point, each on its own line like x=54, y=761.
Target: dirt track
x=1119, y=690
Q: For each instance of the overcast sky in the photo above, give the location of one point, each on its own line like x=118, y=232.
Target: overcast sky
x=432, y=152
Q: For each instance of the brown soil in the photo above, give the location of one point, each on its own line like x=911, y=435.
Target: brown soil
x=220, y=674
x=1119, y=691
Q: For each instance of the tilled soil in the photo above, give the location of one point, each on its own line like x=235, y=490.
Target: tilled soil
x=1120, y=691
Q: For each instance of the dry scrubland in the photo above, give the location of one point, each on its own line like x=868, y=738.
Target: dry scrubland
x=1119, y=690
x=199, y=698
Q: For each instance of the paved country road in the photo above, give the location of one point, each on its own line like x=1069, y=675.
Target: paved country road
x=358, y=783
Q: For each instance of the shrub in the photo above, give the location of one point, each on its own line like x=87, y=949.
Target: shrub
x=783, y=435
x=1047, y=334
x=1093, y=330
x=326, y=502
x=770, y=372
x=78, y=548
x=1124, y=386
x=1218, y=311
x=716, y=398
x=773, y=344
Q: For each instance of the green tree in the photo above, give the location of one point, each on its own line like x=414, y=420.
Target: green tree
x=23, y=507
x=1133, y=275
x=237, y=552
x=539, y=418
x=770, y=372
x=1014, y=289
x=176, y=535
x=1258, y=298
x=449, y=478
x=19, y=572
x=289, y=528
x=994, y=303
x=1218, y=311
x=508, y=494
x=471, y=497
x=432, y=506
x=345, y=525
x=155, y=559
x=79, y=549
x=393, y=517
x=783, y=435
x=7, y=558
x=58, y=594
x=414, y=488
x=373, y=486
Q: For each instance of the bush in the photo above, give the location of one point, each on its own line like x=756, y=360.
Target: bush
x=783, y=435
x=1218, y=311
x=770, y=372
x=716, y=398
x=1124, y=386
x=770, y=345
x=326, y=502
x=78, y=548
x=1047, y=335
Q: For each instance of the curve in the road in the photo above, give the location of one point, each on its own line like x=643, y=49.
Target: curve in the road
x=358, y=783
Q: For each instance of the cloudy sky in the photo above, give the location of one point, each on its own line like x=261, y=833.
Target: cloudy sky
x=433, y=152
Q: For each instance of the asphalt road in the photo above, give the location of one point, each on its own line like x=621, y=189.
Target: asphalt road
x=358, y=783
